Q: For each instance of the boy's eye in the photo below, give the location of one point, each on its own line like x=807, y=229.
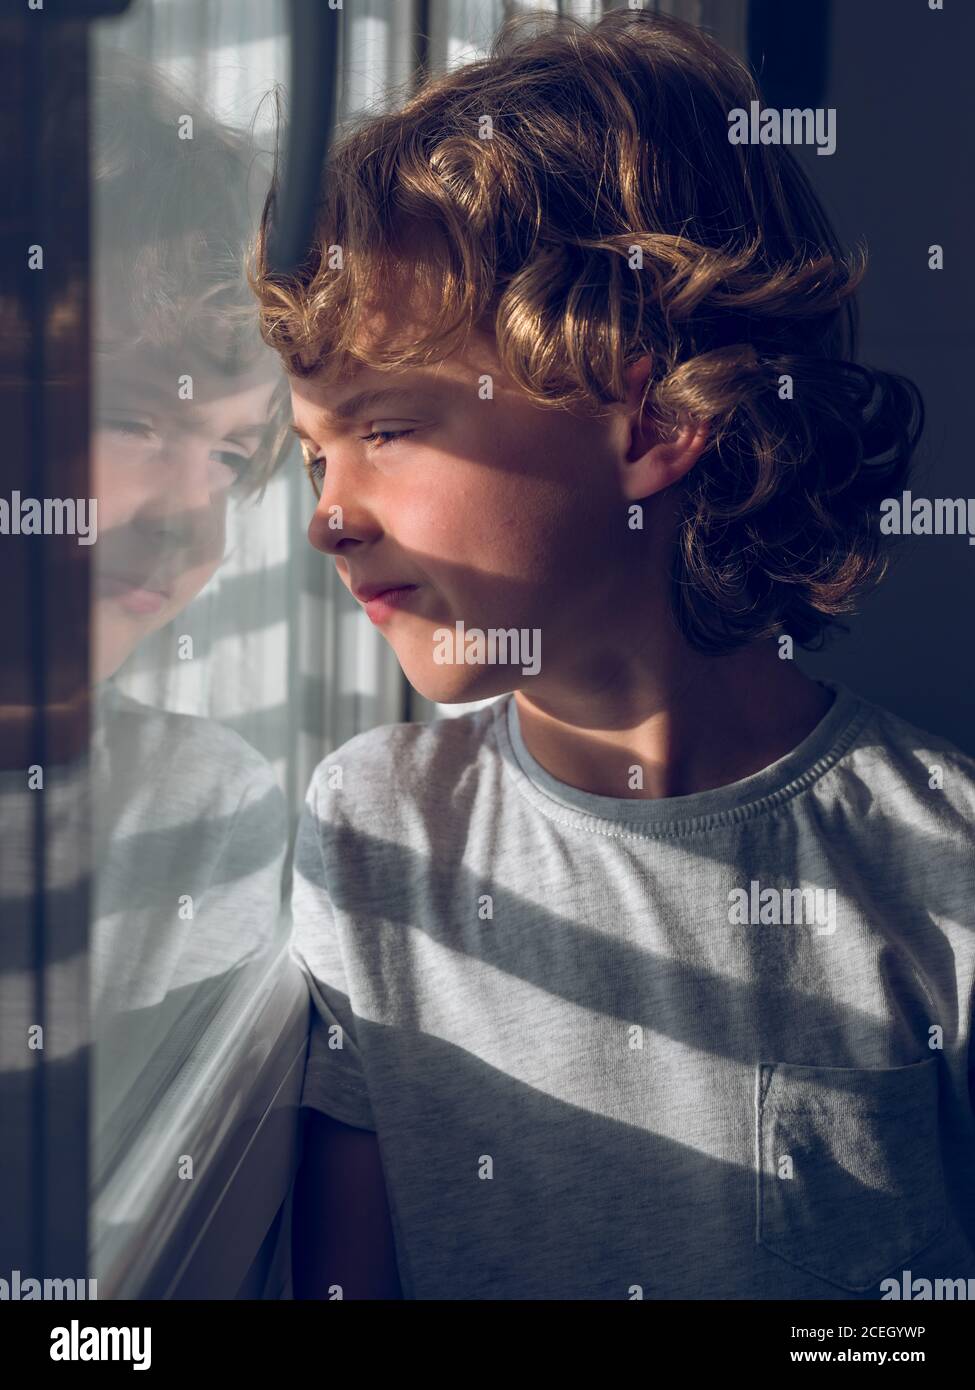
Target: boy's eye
x=385, y=435
x=315, y=468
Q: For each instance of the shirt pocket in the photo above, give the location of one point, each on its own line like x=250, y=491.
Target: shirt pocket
x=866, y=1191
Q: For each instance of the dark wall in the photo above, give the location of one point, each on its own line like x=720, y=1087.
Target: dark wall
x=900, y=78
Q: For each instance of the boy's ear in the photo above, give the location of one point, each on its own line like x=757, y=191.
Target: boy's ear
x=653, y=460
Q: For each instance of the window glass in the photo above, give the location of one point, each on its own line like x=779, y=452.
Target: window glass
x=227, y=659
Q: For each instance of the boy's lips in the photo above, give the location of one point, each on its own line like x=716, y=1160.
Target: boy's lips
x=370, y=591
x=380, y=601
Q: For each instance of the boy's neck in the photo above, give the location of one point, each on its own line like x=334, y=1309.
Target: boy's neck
x=706, y=723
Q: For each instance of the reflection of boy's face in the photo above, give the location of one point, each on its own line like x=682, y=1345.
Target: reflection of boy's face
x=162, y=470
x=503, y=515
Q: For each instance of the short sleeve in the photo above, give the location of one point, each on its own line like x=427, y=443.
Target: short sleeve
x=334, y=1077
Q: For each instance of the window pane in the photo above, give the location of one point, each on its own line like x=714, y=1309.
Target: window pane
x=227, y=657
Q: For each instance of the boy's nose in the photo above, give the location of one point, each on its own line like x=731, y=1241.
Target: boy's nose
x=338, y=527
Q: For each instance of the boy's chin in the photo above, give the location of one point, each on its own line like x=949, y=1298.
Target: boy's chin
x=460, y=685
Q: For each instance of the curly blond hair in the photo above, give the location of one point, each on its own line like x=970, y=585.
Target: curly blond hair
x=608, y=217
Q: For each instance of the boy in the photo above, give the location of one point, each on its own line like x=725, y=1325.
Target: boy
x=648, y=979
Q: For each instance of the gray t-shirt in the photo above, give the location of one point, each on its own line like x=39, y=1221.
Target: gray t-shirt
x=709, y=1046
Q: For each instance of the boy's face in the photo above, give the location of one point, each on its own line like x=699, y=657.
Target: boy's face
x=501, y=514
x=162, y=471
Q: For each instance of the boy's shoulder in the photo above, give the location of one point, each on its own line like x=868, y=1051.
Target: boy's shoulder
x=397, y=765
x=911, y=769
